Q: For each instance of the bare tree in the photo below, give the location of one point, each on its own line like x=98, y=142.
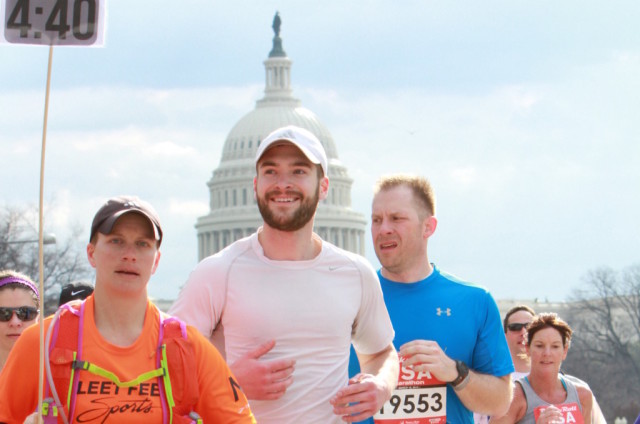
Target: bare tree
x=605, y=316
x=64, y=261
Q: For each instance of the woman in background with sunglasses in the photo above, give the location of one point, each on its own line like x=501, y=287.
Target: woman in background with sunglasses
x=19, y=304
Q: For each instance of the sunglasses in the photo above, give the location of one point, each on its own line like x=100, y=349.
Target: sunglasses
x=517, y=326
x=24, y=313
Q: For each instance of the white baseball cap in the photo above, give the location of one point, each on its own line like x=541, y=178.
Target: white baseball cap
x=303, y=139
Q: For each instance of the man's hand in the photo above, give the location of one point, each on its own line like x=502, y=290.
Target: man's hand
x=263, y=380
x=361, y=399
x=427, y=356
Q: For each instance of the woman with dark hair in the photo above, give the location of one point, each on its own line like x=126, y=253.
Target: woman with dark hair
x=19, y=303
x=545, y=396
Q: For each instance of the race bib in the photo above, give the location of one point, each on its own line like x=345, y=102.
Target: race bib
x=419, y=398
x=570, y=413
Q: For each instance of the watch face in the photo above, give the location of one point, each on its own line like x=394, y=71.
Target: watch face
x=58, y=22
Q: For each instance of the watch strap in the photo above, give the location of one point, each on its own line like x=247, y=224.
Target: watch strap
x=463, y=373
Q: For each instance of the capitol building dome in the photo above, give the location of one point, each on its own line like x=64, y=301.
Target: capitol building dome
x=233, y=210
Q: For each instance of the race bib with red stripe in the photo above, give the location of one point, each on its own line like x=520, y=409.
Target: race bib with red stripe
x=419, y=398
x=570, y=413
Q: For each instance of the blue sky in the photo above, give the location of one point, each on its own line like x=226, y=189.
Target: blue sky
x=524, y=115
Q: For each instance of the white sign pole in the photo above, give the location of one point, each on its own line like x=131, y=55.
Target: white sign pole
x=41, y=233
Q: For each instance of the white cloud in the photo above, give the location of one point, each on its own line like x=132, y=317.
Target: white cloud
x=463, y=175
x=188, y=209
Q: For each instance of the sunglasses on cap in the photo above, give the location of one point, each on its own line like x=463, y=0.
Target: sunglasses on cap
x=517, y=326
x=24, y=313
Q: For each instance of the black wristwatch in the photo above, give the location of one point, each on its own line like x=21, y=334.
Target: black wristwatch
x=463, y=376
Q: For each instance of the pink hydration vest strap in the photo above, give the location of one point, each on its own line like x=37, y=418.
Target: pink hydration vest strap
x=70, y=396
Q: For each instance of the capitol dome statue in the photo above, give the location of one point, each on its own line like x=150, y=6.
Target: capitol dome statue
x=233, y=210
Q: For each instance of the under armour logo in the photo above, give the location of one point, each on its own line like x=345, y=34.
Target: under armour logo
x=130, y=205
x=447, y=311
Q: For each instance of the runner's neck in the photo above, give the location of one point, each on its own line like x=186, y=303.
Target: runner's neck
x=301, y=245
x=120, y=322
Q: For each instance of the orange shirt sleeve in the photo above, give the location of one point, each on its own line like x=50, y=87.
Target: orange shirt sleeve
x=221, y=399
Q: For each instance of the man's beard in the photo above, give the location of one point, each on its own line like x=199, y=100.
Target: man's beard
x=300, y=217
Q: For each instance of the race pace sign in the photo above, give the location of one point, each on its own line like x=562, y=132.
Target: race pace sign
x=53, y=22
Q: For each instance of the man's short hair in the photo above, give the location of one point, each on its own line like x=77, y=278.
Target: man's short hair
x=513, y=311
x=423, y=193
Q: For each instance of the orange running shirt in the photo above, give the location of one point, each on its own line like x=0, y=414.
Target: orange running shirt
x=99, y=400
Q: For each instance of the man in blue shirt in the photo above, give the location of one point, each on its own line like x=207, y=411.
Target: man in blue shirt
x=453, y=352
